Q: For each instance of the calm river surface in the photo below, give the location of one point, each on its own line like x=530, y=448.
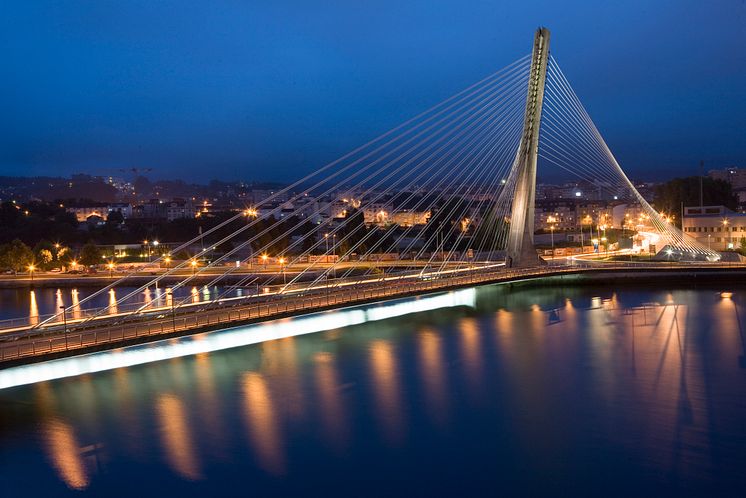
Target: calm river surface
x=537, y=391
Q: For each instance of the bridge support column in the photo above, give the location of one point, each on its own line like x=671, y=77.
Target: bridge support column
x=520, y=248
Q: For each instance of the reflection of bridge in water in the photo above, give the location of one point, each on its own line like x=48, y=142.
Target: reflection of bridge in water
x=641, y=362
x=469, y=163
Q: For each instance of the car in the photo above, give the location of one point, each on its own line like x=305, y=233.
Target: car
x=55, y=270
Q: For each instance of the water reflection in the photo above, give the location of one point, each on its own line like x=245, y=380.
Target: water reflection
x=567, y=385
x=126, y=408
x=60, y=442
x=209, y=404
x=59, y=303
x=33, y=314
x=261, y=423
x=112, y=302
x=471, y=350
x=331, y=405
x=279, y=359
x=64, y=451
x=385, y=382
x=176, y=437
x=433, y=374
x=76, y=304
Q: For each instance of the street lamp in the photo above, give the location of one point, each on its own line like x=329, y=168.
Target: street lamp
x=31, y=269
x=194, y=266
x=167, y=260
x=552, y=220
x=264, y=260
x=282, y=268
x=730, y=241
x=110, y=266
x=606, y=245
x=334, y=250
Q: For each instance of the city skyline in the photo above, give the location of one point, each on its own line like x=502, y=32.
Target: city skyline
x=284, y=95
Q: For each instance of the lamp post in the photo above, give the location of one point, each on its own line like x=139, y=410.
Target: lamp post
x=110, y=266
x=64, y=321
x=194, y=266
x=334, y=250
x=31, y=269
x=264, y=261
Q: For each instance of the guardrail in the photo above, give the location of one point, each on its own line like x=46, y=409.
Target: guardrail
x=297, y=298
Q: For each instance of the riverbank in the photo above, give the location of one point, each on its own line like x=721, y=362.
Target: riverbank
x=102, y=280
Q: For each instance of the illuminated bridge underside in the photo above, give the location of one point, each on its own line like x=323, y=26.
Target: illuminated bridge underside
x=467, y=165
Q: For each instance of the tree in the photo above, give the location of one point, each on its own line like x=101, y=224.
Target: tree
x=670, y=195
x=439, y=229
x=64, y=255
x=115, y=217
x=352, y=232
x=90, y=254
x=44, y=257
x=17, y=256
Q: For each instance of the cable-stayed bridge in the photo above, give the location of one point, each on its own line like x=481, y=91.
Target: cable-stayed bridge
x=445, y=199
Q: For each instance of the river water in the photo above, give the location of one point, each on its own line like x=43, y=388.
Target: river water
x=36, y=304
x=576, y=391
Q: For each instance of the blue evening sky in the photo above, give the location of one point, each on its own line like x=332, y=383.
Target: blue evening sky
x=273, y=89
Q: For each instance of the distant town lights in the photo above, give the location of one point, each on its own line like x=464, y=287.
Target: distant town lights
x=578, y=193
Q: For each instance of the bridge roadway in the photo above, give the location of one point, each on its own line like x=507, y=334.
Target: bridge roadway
x=112, y=331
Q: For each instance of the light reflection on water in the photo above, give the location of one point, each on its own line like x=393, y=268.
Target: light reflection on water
x=574, y=389
x=44, y=301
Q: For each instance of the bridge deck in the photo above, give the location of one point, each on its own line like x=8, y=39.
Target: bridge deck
x=55, y=342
